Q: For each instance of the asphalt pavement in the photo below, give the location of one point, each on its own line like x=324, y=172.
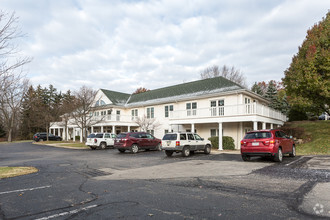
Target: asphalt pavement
x=106, y=184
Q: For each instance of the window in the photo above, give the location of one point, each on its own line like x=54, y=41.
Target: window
x=118, y=115
x=103, y=112
x=197, y=137
x=134, y=114
x=166, y=131
x=217, y=107
x=191, y=108
x=151, y=131
x=213, y=132
x=183, y=137
x=106, y=135
x=109, y=112
x=150, y=112
x=168, y=108
x=190, y=137
x=170, y=137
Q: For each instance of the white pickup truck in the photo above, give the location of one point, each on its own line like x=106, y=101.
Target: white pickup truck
x=101, y=140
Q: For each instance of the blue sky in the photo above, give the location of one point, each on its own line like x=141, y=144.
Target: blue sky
x=123, y=45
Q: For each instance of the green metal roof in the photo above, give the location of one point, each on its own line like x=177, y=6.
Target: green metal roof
x=190, y=89
x=117, y=98
x=171, y=93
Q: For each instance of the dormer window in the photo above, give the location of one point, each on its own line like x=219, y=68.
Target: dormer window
x=99, y=103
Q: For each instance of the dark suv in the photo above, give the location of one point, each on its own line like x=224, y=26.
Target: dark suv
x=43, y=137
x=273, y=143
x=133, y=141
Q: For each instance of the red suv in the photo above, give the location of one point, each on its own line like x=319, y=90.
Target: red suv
x=272, y=143
x=134, y=141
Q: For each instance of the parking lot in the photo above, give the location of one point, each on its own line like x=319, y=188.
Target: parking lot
x=106, y=184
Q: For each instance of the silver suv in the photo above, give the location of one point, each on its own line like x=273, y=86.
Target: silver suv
x=185, y=143
x=101, y=140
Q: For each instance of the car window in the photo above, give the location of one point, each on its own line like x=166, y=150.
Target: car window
x=113, y=135
x=143, y=136
x=106, y=135
x=278, y=134
x=258, y=135
x=149, y=136
x=121, y=135
x=51, y=135
x=183, y=137
x=283, y=135
x=91, y=136
x=170, y=137
x=190, y=137
x=197, y=137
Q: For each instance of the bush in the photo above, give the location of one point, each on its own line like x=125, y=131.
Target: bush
x=77, y=138
x=227, y=142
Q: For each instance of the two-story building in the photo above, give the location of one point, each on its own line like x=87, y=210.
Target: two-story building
x=209, y=107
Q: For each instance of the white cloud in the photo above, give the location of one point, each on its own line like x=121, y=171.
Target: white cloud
x=122, y=45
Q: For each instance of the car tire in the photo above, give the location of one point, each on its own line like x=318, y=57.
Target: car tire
x=121, y=150
x=279, y=156
x=185, y=151
x=134, y=148
x=103, y=145
x=169, y=153
x=158, y=147
x=293, y=152
x=207, y=149
x=92, y=147
x=245, y=157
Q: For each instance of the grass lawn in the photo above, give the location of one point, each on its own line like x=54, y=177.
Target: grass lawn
x=6, y=172
x=319, y=133
x=64, y=143
x=6, y=142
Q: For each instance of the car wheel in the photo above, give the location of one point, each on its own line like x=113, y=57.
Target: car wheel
x=169, y=153
x=134, y=148
x=92, y=147
x=293, y=153
x=207, y=149
x=185, y=152
x=245, y=157
x=121, y=150
x=279, y=156
x=158, y=147
x=103, y=145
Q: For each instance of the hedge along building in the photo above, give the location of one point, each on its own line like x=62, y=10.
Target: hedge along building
x=209, y=107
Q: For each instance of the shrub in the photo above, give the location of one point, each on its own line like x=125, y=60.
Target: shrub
x=227, y=142
x=77, y=138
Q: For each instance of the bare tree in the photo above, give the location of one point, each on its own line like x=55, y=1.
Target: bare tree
x=83, y=114
x=231, y=73
x=146, y=123
x=12, y=83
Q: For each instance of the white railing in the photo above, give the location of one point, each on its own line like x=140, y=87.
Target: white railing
x=109, y=118
x=231, y=110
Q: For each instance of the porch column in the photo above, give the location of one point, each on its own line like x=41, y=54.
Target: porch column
x=255, y=125
x=101, y=129
x=67, y=133
x=192, y=128
x=220, y=136
x=74, y=134
x=63, y=134
x=113, y=129
x=170, y=128
x=128, y=128
x=240, y=130
x=81, y=135
x=92, y=129
x=271, y=125
x=59, y=132
x=263, y=125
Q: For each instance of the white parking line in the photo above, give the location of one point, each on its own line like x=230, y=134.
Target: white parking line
x=293, y=161
x=22, y=190
x=67, y=213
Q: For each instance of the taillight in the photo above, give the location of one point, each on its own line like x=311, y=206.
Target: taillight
x=243, y=142
x=95, y=140
x=269, y=142
x=177, y=143
x=272, y=141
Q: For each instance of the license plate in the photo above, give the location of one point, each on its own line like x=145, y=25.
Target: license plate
x=168, y=143
x=255, y=143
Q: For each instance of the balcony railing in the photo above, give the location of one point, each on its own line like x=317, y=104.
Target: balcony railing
x=231, y=110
